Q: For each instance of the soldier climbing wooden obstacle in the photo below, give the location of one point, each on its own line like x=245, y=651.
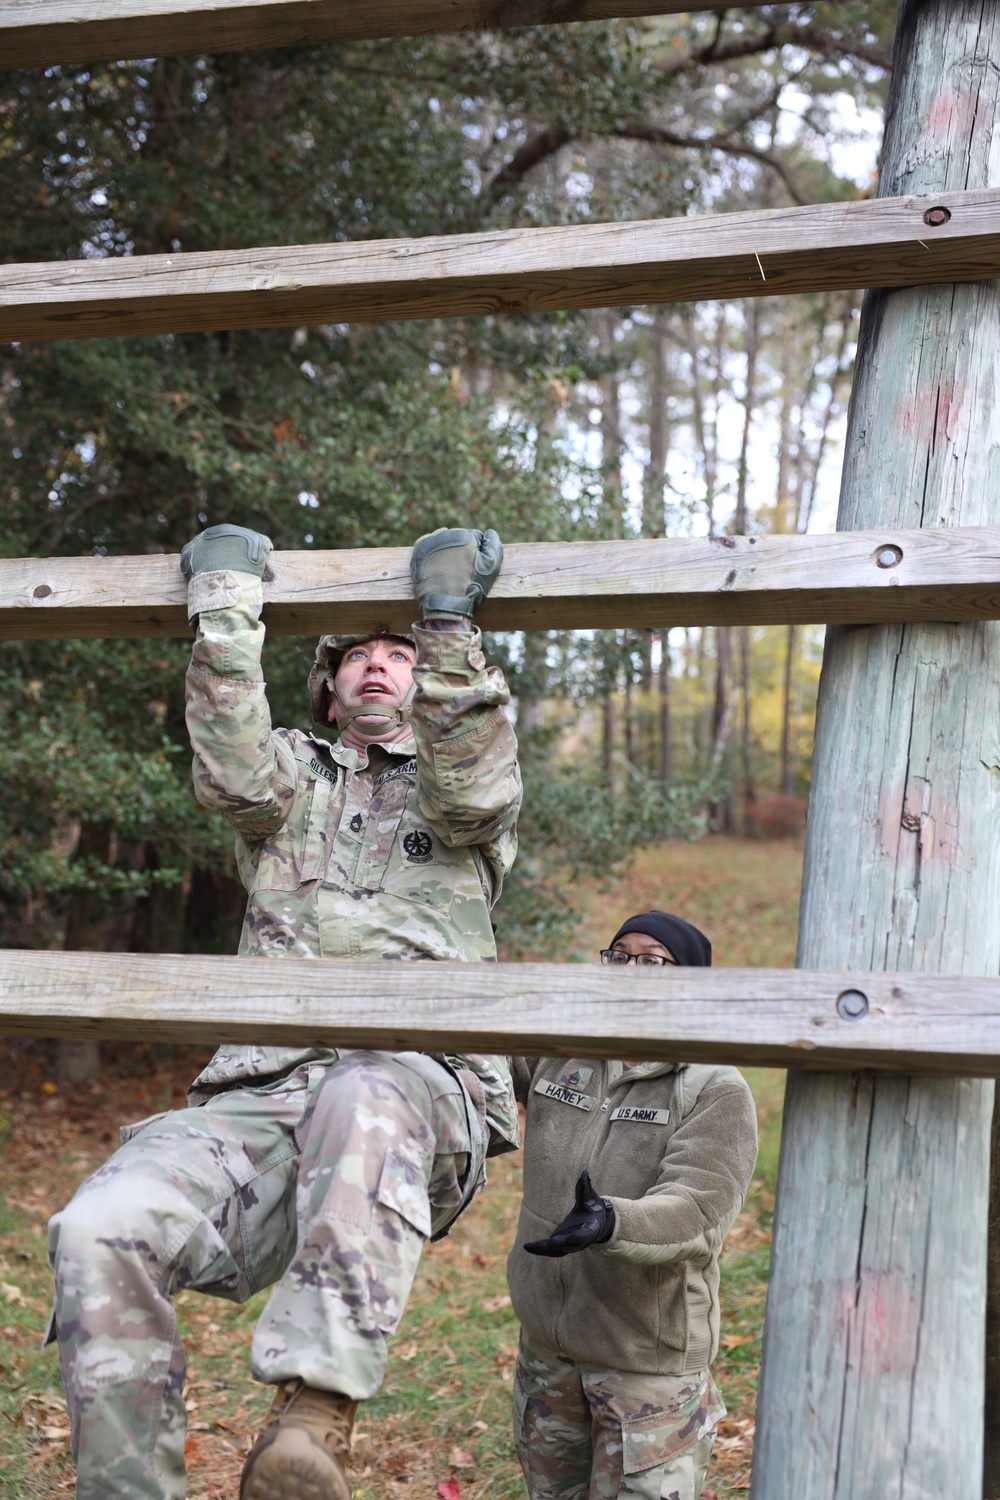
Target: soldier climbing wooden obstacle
x=385, y=833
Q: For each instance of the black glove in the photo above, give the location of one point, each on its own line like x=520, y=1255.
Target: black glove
x=591, y=1221
x=234, y=547
x=453, y=569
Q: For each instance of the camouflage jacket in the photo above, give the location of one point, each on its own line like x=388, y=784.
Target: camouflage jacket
x=398, y=856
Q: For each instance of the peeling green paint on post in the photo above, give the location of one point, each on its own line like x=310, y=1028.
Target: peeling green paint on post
x=872, y=1381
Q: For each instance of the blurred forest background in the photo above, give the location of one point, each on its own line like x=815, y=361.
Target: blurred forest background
x=651, y=421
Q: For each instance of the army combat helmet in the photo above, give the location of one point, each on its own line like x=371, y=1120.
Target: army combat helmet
x=329, y=654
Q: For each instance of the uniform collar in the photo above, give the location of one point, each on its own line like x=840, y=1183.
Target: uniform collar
x=618, y=1073
x=352, y=760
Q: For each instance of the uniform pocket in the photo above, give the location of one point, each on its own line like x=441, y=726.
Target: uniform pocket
x=316, y=833
x=668, y=1451
x=651, y=1446
x=384, y=816
x=650, y=1441
x=299, y=845
x=403, y=1188
x=422, y=869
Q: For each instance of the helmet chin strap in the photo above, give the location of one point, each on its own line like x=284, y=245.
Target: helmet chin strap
x=388, y=718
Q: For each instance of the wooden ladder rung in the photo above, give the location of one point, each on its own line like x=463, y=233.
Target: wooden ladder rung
x=885, y=242
x=849, y=577
x=41, y=33
x=906, y=1023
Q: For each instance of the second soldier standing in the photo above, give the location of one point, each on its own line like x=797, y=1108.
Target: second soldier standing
x=619, y=1300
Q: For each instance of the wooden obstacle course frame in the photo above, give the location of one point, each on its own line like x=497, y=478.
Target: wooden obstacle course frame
x=906, y=1409
x=41, y=33
x=883, y=242
x=898, y=1023
x=849, y=577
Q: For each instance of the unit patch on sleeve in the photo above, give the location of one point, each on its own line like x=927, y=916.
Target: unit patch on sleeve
x=564, y=1094
x=641, y=1116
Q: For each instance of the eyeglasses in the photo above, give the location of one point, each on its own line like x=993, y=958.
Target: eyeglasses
x=619, y=958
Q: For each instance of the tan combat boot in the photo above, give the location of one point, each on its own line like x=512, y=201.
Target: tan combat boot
x=303, y=1447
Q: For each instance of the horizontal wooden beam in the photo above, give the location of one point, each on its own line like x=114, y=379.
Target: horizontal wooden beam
x=850, y=577
x=772, y=1017
x=40, y=33
x=887, y=242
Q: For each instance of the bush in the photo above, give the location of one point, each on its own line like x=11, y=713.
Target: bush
x=776, y=815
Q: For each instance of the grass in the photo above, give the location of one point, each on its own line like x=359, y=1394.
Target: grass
x=743, y=893
x=444, y=1411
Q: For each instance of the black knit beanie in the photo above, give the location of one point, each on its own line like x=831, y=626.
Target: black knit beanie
x=690, y=947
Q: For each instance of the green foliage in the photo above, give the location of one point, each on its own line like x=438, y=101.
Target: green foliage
x=335, y=436
x=66, y=764
x=576, y=826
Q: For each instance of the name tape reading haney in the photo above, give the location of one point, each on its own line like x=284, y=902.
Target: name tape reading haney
x=564, y=1095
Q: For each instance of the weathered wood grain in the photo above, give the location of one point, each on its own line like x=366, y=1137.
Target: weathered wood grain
x=771, y=1017
x=39, y=33
x=885, y=243
x=872, y=1380
x=940, y=574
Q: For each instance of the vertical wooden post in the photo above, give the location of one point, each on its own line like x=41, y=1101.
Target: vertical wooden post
x=872, y=1380
x=991, y=1456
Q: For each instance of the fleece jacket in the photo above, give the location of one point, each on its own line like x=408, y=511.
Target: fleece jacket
x=672, y=1146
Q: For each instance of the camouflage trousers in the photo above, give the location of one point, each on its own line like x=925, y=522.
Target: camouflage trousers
x=591, y=1434
x=326, y=1181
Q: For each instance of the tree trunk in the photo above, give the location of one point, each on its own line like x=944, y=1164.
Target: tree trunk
x=810, y=481
x=611, y=435
x=698, y=660
x=86, y=921
x=749, y=798
x=612, y=519
x=786, y=469
x=705, y=407
x=663, y=685
x=746, y=737
x=628, y=708
x=608, y=666
x=531, y=689
x=787, y=757
x=722, y=723
x=656, y=469
x=159, y=917
x=608, y=737
x=872, y=1378
x=214, y=911
x=749, y=401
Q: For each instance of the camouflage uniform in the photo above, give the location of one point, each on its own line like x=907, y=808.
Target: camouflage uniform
x=613, y=1395
x=587, y=1433
x=320, y=1170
